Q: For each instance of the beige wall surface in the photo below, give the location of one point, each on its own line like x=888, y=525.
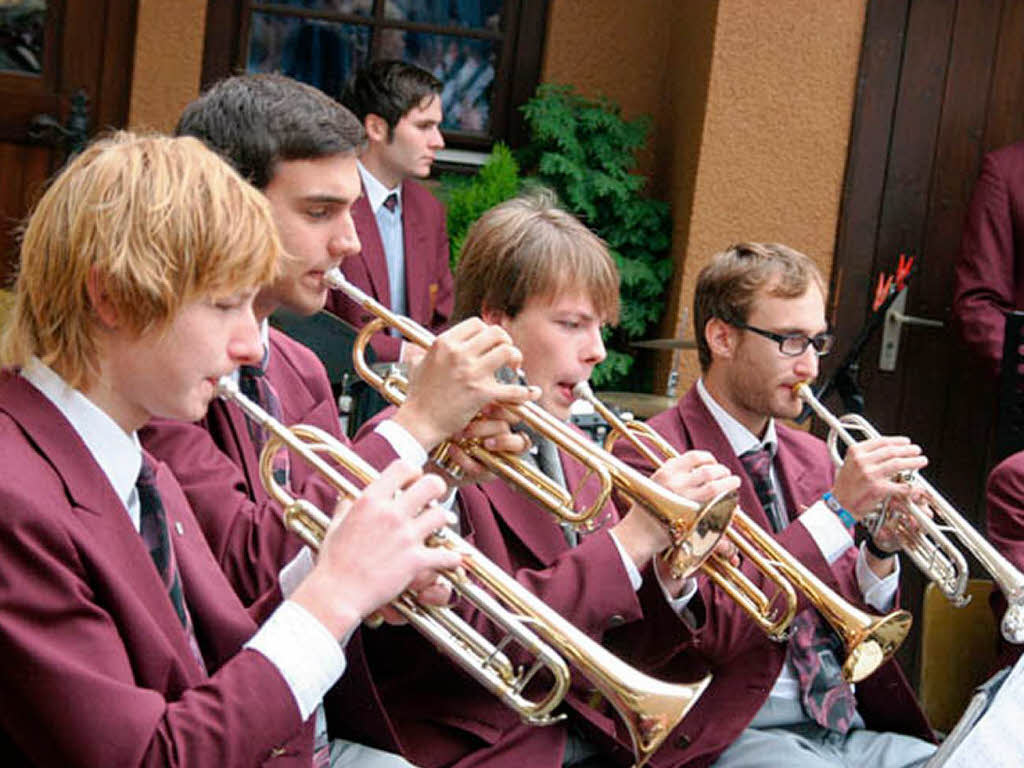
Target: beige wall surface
x=168, y=61
x=752, y=102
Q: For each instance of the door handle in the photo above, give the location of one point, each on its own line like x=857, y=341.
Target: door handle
x=895, y=319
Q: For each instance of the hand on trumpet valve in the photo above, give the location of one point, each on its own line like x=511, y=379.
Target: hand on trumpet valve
x=492, y=429
x=871, y=472
x=455, y=380
x=696, y=475
x=376, y=547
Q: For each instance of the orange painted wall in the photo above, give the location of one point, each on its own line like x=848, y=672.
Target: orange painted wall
x=752, y=101
x=168, y=61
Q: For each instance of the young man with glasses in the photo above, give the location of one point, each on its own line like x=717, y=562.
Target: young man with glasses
x=759, y=315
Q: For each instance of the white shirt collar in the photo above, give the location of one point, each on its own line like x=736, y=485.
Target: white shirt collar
x=118, y=453
x=740, y=438
x=376, y=192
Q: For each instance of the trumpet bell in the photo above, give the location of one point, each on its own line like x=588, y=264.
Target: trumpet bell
x=875, y=645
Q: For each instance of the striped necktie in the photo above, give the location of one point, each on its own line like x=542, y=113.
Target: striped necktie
x=254, y=384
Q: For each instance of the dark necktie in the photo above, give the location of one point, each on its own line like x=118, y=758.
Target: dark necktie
x=758, y=464
x=814, y=649
x=254, y=384
x=156, y=536
x=391, y=202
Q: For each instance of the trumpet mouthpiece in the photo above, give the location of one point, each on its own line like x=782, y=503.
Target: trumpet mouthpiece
x=226, y=387
x=333, y=278
x=582, y=391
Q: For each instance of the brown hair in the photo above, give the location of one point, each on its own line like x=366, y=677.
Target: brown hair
x=528, y=247
x=160, y=221
x=727, y=285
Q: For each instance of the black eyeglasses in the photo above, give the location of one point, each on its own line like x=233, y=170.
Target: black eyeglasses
x=794, y=344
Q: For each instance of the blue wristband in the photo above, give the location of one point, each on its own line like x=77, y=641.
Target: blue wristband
x=841, y=513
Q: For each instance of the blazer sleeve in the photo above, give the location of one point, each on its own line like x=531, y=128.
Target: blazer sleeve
x=70, y=691
x=984, y=289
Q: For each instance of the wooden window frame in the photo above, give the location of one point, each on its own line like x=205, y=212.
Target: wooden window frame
x=517, y=67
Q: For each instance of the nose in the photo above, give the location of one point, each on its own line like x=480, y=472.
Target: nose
x=245, y=346
x=344, y=240
x=805, y=365
x=436, y=139
x=593, y=351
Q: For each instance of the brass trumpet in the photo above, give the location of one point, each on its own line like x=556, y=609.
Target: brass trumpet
x=920, y=534
x=694, y=529
x=650, y=708
x=870, y=640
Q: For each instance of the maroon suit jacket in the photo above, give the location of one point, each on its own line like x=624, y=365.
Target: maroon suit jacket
x=428, y=278
x=97, y=667
x=444, y=718
x=990, y=267
x=744, y=662
x=1005, y=523
x=217, y=466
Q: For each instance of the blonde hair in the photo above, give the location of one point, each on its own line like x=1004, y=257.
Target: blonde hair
x=528, y=247
x=159, y=221
x=727, y=285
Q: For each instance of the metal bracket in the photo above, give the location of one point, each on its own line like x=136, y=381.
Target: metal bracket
x=895, y=319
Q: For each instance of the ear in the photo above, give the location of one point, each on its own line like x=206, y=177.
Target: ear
x=722, y=338
x=100, y=300
x=493, y=316
x=376, y=128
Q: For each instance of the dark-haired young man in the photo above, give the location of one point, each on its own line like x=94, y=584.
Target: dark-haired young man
x=299, y=148
x=404, y=260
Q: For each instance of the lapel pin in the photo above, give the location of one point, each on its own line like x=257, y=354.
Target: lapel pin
x=179, y=528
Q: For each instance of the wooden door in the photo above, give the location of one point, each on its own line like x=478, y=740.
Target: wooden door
x=49, y=51
x=941, y=82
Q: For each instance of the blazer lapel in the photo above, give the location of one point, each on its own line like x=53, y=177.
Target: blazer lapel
x=372, y=252
x=416, y=264
x=530, y=522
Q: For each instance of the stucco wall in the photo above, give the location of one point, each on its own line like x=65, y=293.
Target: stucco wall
x=752, y=101
x=168, y=61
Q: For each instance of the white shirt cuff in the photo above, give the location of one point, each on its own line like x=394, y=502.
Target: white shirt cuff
x=880, y=594
x=827, y=530
x=405, y=445
x=308, y=657
x=678, y=603
x=295, y=571
x=635, y=579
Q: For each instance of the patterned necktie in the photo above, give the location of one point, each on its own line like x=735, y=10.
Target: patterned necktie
x=391, y=202
x=254, y=384
x=814, y=649
x=156, y=537
x=758, y=464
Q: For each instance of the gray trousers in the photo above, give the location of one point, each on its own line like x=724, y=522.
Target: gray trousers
x=347, y=754
x=782, y=735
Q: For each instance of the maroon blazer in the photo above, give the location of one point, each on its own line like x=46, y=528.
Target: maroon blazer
x=990, y=266
x=428, y=277
x=443, y=717
x=97, y=667
x=1005, y=496
x=217, y=466
x=744, y=662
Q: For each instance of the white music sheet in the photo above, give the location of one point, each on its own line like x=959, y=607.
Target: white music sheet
x=997, y=741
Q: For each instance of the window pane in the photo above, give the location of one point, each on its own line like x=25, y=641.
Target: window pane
x=464, y=65
x=477, y=14
x=320, y=53
x=22, y=23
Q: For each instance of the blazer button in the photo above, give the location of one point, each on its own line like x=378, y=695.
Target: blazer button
x=682, y=741
x=277, y=752
x=616, y=621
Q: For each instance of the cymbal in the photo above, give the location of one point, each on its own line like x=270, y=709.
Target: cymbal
x=641, y=404
x=665, y=344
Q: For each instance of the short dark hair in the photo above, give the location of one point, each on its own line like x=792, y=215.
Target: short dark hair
x=727, y=285
x=389, y=88
x=255, y=121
